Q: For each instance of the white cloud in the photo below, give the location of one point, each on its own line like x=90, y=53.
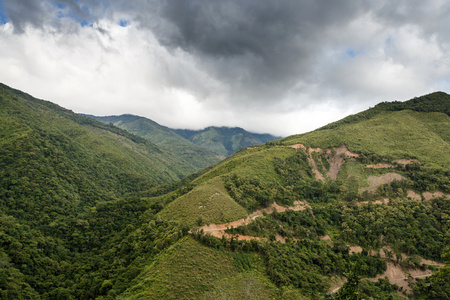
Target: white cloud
x=263, y=82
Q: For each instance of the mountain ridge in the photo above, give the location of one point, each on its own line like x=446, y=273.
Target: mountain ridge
x=221, y=141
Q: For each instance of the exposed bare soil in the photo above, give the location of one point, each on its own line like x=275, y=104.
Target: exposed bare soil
x=376, y=181
x=429, y=195
x=405, y=161
x=413, y=195
x=380, y=166
x=394, y=272
x=355, y=249
x=384, y=201
x=218, y=230
x=336, y=159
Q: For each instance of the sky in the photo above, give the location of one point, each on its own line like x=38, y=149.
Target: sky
x=281, y=67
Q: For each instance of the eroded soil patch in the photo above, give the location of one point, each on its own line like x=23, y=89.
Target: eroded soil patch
x=376, y=181
x=218, y=230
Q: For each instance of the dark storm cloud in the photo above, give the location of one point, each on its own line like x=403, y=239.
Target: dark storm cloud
x=25, y=12
x=259, y=48
x=268, y=51
x=38, y=13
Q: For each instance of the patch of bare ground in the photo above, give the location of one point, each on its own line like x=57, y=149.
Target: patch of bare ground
x=355, y=249
x=429, y=195
x=413, y=195
x=325, y=238
x=218, y=230
x=376, y=181
x=337, y=284
x=404, y=162
x=394, y=272
x=380, y=166
x=336, y=159
x=384, y=201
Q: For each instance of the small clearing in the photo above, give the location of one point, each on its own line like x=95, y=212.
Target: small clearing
x=355, y=249
x=384, y=201
x=218, y=230
x=429, y=195
x=413, y=195
x=380, y=166
x=376, y=181
x=404, y=162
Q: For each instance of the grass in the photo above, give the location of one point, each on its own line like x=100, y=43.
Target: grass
x=395, y=135
x=256, y=162
x=207, y=203
x=190, y=270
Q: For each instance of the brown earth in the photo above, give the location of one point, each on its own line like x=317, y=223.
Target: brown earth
x=405, y=161
x=218, y=230
x=413, y=195
x=376, y=181
x=355, y=249
x=394, y=272
x=429, y=195
x=384, y=201
x=380, y=166
x=336, y=159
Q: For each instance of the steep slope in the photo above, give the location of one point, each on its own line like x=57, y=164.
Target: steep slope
x=198, y=158
x=72, y=159
x=374, y=181
x=224, y=141
x=70, y=205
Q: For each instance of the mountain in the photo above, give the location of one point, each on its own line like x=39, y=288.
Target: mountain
x=295, y=218
x=201, y=147
x=356, y=207
x=164, y=137
x=224, y=141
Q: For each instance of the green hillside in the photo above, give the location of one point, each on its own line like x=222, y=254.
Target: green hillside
x=224, y=141
x=71, y=202
x=364, y=201
x=368, y=180
x=194, y=156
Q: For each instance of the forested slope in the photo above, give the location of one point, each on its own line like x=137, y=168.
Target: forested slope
x=68, y=187
x=194, y=156
x=224, y=141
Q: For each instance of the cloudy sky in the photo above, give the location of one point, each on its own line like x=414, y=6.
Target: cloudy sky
x=281, y=67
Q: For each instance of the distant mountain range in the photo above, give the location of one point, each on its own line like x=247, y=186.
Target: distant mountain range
x=216, y=142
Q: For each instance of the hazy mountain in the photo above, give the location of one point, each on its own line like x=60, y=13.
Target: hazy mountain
x=83, y=214
x=224, y=141
x=164, y=137
x=215, y=141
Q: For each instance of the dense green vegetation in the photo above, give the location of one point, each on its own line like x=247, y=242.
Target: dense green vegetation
x=91, y=211
x=224, y=141
x=197, y=158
